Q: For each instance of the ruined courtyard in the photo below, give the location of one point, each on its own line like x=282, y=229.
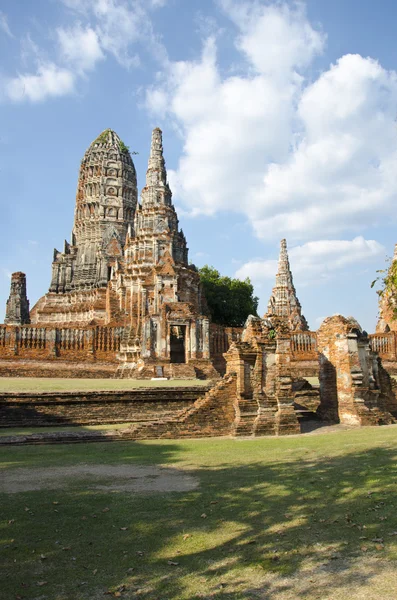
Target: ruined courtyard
x=124, y=302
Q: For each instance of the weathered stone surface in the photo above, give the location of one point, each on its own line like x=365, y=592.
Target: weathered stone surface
x=17, y=309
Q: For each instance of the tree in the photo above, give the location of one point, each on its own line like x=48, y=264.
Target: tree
x=388, y=285
x=230, y=301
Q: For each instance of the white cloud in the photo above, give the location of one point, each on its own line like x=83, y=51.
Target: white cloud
x=120, y=24
x=104, y=27
x=4, y=27
x=341, y=175
x=276, y=39
x=79, y=47
x=298, y=158
x=316, y=261
x=49, y=81
x=234, y=126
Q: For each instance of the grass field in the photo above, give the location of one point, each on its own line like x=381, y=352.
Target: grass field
x=44, y=384
x=311, y=517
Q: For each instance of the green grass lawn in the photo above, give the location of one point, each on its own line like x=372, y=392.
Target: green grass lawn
x=266, y=517
x=44, y=384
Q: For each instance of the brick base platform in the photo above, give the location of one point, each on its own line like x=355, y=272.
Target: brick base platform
x=55, y=368
x=92, y=408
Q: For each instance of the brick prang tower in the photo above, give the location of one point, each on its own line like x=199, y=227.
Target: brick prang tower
x=17, y=310
x=105, y=205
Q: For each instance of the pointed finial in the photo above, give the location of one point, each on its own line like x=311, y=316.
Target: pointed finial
x=156, y=147
x=156, y=174
x=283, y=261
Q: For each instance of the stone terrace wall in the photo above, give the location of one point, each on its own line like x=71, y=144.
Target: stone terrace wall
x=90, y=408
x=385, y=344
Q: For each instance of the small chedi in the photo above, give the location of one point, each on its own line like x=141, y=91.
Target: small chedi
x=283, y=301
x=124, y=301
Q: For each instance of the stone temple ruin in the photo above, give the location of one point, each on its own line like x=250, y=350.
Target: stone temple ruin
x=124, y=301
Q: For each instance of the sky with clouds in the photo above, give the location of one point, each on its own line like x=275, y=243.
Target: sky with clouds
x=278, y=118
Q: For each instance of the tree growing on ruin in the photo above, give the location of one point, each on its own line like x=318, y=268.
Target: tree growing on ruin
x=230, y=301
x=387, y=282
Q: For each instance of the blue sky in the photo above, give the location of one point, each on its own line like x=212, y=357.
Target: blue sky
x=279, y=120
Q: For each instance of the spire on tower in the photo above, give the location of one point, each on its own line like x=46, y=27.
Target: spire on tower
x=283, y=301
x=156, y=190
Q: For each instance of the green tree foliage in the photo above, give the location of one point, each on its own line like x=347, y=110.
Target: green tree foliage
x=230, y=301
x=387, y=279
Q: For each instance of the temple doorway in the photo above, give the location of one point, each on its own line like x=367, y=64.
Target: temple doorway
x=177, y=343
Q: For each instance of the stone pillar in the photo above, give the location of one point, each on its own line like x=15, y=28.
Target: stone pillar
x=52, y=339
x=266, y=363
x=286, y=419
x=188, y=348
x=193, y=340
x=14, y=338
x=206, y=338
x=17, y=309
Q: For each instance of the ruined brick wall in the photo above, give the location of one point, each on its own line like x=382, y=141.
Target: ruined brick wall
x=209, y=416
x=221, y=338
x=90, y=408
x=350, y=388
x=335, y=371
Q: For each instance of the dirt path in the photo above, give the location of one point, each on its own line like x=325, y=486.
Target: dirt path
x=131, y=478
x=354, y=578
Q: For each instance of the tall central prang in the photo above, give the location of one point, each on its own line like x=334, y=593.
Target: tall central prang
x=105, y=204
x=127, y=265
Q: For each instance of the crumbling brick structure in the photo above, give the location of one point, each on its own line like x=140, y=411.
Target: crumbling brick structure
x=354, y=388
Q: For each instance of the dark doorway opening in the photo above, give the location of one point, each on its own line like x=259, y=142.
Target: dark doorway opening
x=109, y=273
x=177, y=344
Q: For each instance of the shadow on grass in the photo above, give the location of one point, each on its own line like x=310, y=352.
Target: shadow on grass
x=244, y=524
